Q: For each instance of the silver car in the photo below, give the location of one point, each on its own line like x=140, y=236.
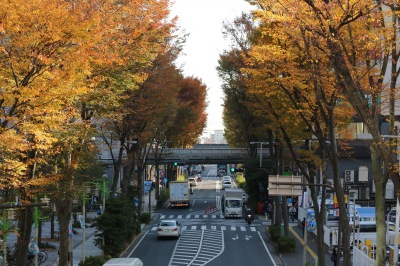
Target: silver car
x=169, y=228
x=226, y=184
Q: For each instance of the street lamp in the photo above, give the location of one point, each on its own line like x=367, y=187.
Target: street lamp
x=93, y=191
x=261, y=149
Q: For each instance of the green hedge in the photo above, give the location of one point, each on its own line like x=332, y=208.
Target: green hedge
x=94, y=261
x=145, y=218
x=286, y=244
x=274, y=232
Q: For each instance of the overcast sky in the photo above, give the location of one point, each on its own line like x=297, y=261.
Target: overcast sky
x=202, y=19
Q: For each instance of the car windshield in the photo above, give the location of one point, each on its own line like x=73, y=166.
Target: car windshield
x=227, y=182
x=167, y=224
x=233, y=203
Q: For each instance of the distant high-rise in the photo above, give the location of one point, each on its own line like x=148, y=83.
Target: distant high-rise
x=213, y=137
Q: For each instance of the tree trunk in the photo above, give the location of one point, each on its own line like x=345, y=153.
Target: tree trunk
x=380, y=187
x=157, y=188
x=278, y=212
x=52, y=226
x=25, y=228
x=285, y=216
x=64, y=216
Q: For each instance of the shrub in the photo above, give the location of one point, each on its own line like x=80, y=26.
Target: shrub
x=286, y=244
x=274, y=232
x=145, y=218
x=240, y=180
x=309, y=264
x=117, y=226
x=94, y=261
x=181, y=178
x=46, y=245
x=163, y=198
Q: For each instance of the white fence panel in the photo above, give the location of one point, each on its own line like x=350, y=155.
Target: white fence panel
x=361, y=258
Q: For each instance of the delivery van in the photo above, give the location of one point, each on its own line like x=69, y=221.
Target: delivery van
x=124, y=262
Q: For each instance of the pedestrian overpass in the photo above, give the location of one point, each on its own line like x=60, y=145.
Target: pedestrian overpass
x=205, y=154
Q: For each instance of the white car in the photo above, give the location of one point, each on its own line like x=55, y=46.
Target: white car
x=169, y=228
x=226, y=184
x=226, y=178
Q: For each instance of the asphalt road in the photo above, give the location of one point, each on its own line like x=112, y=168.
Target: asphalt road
x=206, y=239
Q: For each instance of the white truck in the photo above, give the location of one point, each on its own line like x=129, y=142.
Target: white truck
x=232, y=202
x=179, y=193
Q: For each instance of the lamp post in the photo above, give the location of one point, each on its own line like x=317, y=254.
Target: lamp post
x=261, y=149
x=104, y=180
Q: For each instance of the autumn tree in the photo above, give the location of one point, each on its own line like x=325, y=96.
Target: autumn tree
x=42, y=76
x=360, y=42
x=295, y=103
x=63, y=60
x=242, y=126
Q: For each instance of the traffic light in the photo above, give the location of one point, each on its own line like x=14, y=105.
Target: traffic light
x=233, y=169
x=175, y=164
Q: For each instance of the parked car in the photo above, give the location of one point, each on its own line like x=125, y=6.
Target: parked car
x=169, y=228
x=226, y=184
x=192, y=180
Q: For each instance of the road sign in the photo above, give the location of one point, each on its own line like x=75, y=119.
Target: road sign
x=281, y=185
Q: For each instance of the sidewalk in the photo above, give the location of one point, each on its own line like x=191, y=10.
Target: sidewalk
x=296, y=258
x=90, y=248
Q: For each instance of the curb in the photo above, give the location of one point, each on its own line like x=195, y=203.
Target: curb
x=275, y=247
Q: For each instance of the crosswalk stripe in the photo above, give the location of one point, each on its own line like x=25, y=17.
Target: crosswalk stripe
x=197, y=216
x=213, y=227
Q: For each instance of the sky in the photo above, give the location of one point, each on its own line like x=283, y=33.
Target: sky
x=202, y=20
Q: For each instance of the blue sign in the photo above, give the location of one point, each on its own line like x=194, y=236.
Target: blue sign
x=311, y=223
x=70, y=232
x=136, y=201
x=289, y=202
x=147, y=186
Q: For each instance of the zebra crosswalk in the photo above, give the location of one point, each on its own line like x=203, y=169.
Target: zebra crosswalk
x=214, y=228
x=191, y=216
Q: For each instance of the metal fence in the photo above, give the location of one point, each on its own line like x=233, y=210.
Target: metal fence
x=361, y=258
